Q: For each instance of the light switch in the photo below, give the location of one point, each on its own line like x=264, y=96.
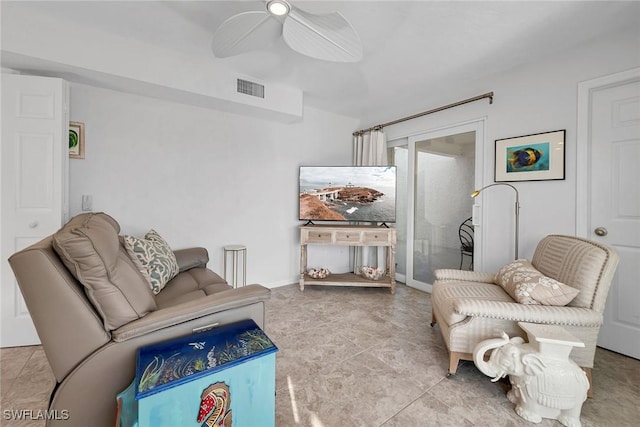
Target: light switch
x=87, y=202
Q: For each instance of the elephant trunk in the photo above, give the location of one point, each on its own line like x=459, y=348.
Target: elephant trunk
x=488, y=368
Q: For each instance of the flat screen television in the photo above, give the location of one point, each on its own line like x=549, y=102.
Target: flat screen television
x=348, y=193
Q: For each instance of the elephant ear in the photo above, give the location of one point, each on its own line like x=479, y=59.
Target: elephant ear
x=533, y=364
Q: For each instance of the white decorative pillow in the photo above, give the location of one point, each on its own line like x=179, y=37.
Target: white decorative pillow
x=527, y=285
x=154, y=258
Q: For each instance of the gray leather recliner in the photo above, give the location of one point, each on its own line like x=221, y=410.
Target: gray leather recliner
x=91, y=350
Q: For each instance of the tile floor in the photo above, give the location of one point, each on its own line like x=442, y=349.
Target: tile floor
x=364, y=357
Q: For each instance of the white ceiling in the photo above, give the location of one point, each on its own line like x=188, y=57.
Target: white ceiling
x=412, y=49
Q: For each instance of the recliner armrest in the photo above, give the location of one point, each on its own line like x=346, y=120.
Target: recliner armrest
x=191, y=258
x=448, y=275
x=190, y=310
x=567, y=316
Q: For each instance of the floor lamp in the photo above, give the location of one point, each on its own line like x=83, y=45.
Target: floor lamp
x=476, y=192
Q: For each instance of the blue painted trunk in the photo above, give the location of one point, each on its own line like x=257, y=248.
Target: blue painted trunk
x=222, y=377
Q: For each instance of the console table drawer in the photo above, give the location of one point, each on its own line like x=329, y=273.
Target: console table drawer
x=376, y=237
x=319, y=237
x=347, y=237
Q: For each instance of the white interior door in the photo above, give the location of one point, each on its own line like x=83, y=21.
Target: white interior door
x=34, y=160
x=613, y=199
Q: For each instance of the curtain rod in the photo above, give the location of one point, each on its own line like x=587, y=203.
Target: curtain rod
x=424, y=113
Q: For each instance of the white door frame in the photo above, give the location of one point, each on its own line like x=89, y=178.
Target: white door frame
x=475, y=125
x=583, y=144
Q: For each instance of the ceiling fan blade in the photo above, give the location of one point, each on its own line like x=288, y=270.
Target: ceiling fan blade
x=328, y=37
x=245, y=32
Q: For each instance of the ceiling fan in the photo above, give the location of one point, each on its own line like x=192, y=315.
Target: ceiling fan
x=329, y=37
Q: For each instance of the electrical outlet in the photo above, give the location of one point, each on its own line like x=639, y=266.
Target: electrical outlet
x=87, y=202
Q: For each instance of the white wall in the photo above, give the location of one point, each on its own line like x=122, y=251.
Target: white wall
x=536, y=98
x=202, y=177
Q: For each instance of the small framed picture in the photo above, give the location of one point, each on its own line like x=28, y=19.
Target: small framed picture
x=76, y=140
x=537, y=157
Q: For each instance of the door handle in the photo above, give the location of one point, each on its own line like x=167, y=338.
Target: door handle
x=33, y=224
x=601, y=231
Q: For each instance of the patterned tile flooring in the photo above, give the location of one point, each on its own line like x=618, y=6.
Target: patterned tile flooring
x=364, y=357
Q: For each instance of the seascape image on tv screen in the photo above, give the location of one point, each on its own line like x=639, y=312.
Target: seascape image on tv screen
x=348, y=193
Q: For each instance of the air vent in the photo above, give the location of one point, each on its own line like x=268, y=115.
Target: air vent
x=250, y=88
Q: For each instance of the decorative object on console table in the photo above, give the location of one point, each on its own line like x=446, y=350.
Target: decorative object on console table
x=318, y=273
x=537, y=157
x=372, y=273
x=203, y=379
x=236, y=251
x=76, y=140
x=545, y=382
x=349, y=235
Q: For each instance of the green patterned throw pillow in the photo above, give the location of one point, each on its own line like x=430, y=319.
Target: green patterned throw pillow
x=154, y=258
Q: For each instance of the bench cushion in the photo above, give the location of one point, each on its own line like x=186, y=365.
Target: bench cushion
x=446, y=294
x=194, y=283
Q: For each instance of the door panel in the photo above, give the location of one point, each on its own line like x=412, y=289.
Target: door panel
x=34, y=172
x=399, y=156
x=442, y=187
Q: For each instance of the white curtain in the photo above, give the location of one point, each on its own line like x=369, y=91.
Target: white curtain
x=369, y=149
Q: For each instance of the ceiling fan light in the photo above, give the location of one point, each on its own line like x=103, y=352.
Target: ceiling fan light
x=278, y=7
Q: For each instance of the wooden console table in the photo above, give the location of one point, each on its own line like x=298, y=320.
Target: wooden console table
x=349, y=235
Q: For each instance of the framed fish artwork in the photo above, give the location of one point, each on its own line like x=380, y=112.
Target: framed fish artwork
x=536, y=157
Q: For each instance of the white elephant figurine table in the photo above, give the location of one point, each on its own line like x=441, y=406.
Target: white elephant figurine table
x=545, y=382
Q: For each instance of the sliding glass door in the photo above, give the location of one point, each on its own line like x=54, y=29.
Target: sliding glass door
x=436, y=175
